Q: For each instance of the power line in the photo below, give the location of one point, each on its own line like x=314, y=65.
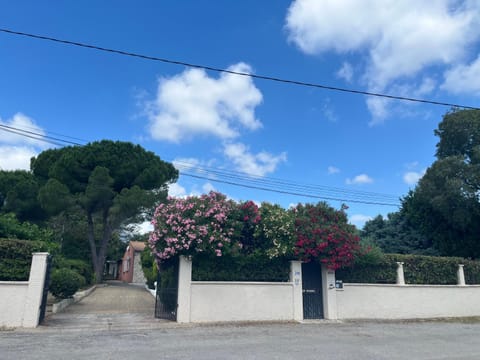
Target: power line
x=246, y=180
x=288, y=192
x=30, y=136
x=239, y=73
x=37, y=136
x=274, y=183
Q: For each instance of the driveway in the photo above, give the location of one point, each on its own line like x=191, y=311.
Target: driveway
x=116, y=306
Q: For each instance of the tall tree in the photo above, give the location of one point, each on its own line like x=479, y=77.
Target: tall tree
x=111, y=182
x=396, y=235
x=445, y=205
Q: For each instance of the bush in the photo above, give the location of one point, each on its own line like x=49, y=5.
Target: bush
x=16, y=258
x=81, y=267
x=418, y=269
x=149, y=267
x=65, y=282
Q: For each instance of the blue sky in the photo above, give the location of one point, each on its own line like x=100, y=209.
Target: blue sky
x=348, y=144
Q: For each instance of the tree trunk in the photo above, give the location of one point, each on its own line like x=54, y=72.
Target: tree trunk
x=97, y=267
x=102, y=249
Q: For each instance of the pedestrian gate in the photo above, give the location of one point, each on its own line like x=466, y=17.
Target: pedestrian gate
x=166, y=302
x=312, y=291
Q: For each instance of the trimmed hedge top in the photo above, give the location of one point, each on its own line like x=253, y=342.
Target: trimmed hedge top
x=16, y=258
x=418, y=269
x=245, y=268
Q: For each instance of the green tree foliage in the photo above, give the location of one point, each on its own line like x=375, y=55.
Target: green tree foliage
x=445, y=205
x=12, y=228
x=109, y=182
x=396, y=234
x=18, y=195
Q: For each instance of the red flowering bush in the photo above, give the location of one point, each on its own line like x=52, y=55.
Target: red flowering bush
x=247, y=217
x=323, y=233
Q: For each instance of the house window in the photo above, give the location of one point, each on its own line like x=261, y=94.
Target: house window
x=126, y=265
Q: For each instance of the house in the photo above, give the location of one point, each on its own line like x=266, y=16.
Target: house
x=131, y=268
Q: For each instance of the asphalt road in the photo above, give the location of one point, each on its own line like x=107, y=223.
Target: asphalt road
x=360, y=340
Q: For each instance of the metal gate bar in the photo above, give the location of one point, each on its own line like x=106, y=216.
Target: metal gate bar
x=43, y=306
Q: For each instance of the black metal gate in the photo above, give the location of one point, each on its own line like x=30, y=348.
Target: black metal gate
x=166, y=302
x=312, y=291
x=43, y=306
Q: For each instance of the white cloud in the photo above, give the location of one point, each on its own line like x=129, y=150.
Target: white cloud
x=378, y=107
x=345, y=72
x=359, y=220
x=143, y=228
x=360, y=179
x=176, y=190
x=399, y=38
x=463, y=79
x=412, y=177
x=16, y=157
x=23, y=122
x=333, y=170
x=259, y=164
x=193, y=103
x=17, y=150
x=328, y=111
x=207, y=187
x=185, y=163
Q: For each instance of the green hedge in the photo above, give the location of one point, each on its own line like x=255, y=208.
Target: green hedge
x=242, y=268
x=16, y=258
x=418, y=269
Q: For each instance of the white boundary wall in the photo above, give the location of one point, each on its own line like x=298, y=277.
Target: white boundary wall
x=241, y=301
x=12, y=302
x=212, y=301
x=373, y=301
x=20, y=300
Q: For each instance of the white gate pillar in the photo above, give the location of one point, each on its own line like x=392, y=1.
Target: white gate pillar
x=329, y=294
x=460, y=275
x=36, y=282
x=400, y=274
x=296, y=279
x=184, y=289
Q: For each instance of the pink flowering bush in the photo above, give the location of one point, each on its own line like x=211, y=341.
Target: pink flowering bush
x=192, y=225
x=211, y=225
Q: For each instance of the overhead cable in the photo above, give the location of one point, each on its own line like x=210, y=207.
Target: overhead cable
x=243, y=179
x=274, y=183
x=239, y=73
x=289, y=192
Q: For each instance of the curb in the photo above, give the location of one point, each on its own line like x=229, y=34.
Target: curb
x=79, y=295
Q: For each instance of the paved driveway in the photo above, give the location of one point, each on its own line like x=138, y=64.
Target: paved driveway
x=116, y=306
